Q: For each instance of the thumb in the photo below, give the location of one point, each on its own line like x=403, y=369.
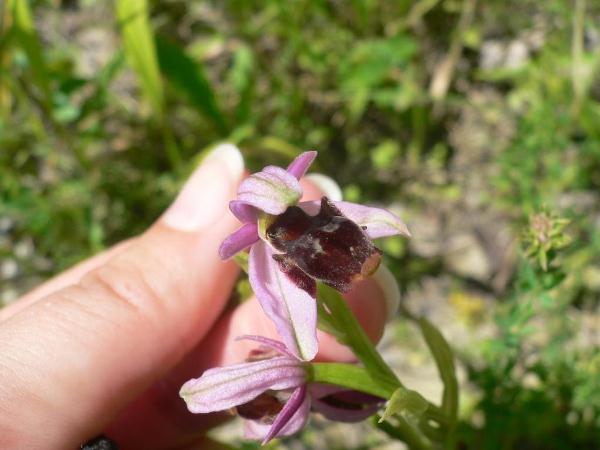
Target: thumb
x=74, y=358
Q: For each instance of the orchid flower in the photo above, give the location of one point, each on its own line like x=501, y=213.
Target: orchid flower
x=271, y=392
x=293, y=244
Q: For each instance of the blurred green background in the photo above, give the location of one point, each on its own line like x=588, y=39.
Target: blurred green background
x=477, y=121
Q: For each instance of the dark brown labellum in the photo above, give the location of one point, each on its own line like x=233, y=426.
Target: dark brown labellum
x=327, y=247
x=263, y=408
x=351, y=400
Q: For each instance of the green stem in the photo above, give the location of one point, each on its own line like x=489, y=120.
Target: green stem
x=342, y=318
x=351, y=376
x=405, y=432
x=171, y=148
x=376, y=378
x=360, y=379
x=577, y=46
x=412, y=436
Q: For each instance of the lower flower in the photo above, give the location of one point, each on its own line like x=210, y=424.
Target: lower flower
x=270, y=390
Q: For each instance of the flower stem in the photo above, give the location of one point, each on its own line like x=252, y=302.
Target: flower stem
x=360, y=379
x=405, y=432
x=352, y=334
x=376, y=378
x=351, y=376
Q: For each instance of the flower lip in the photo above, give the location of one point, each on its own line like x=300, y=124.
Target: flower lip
x=263, y=408
x=327, y=247
x=342, y=404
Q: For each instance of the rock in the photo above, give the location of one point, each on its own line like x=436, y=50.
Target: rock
x=9, y=269
x=6, y=223
x=467, y=257
x=426, y=229
x=517, y=55
x=24, y=248
x=491, y=55
x=579, y=201
x=98, y=45
x=497, y=54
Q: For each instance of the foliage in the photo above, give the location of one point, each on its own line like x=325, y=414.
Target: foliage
x=96, y=137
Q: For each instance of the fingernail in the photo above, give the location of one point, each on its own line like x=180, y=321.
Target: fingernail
x=326, y=184
x=391, y=292
x=204, y=198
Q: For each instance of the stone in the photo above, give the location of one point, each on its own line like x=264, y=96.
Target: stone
x=9, y=269
x=466, y=256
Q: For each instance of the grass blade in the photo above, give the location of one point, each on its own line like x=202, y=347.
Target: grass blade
x=187, y=76
x=140, y=51
x=24, y=34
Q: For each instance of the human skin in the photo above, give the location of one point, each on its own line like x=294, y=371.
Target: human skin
x=105, y=346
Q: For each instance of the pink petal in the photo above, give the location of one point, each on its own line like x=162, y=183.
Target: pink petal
x=239, y=240
x=292, y=309
x=225, y=387
x=275, y=345
x=300, y=165
x=259, y=431
x=272, y=190
x=379, y=222
x=243, y=211
x=292, y=417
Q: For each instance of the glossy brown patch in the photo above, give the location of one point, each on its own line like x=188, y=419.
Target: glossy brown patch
x=263, y=408
x=300, y=279
x=327, y=247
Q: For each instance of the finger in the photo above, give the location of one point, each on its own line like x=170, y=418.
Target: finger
x=66, y=278
x=75, y=357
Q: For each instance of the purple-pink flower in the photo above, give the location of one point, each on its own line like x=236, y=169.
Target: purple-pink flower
x=293, y=244
x=271, y=392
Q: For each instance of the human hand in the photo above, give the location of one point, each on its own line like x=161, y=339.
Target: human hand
x=106, y=345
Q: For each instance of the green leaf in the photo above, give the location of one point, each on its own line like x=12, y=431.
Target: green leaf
x=276, y=146
x=140, y=51
x=405, y=402
x=444, y=360
x=241, y=78
x=187, y=76
x=24, y=34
